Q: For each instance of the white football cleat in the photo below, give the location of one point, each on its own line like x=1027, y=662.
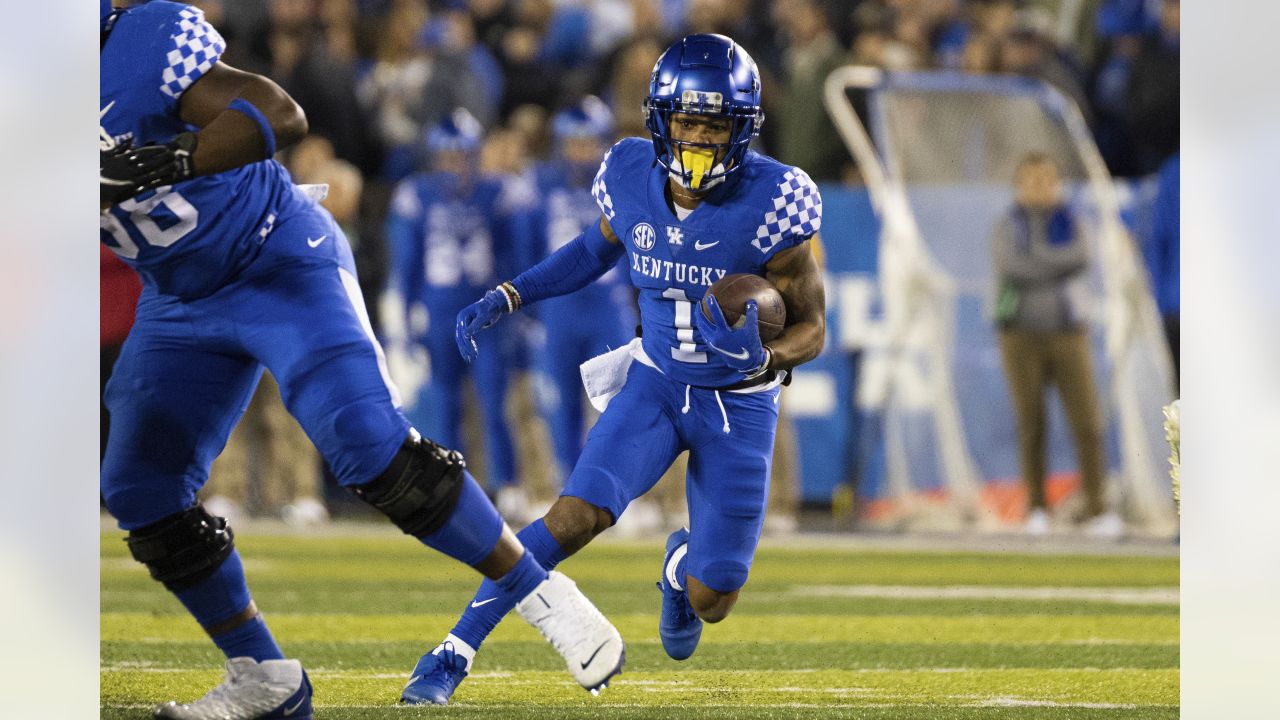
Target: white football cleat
x=251, y=691
x=590, y=645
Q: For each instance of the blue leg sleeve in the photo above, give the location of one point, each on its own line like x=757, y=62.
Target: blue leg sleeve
x=473, y=529
x=222, y=596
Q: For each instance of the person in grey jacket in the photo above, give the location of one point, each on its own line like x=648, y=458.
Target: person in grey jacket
x=1040, y=260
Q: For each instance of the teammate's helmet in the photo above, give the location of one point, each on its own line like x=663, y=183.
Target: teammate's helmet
x=587, y=118
x=459, y=131
x=104, y=12
x=704, y=75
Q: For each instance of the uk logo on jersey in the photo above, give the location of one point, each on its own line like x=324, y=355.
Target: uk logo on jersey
x=644, y=236
x=675, y=236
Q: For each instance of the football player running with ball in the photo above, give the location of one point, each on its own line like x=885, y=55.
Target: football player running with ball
x=686, y=209
x=242, y=269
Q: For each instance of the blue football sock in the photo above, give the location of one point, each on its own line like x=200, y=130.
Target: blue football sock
x=222, y=596
x=492, y=601
x=522, y=579
x=251, y=639
x=472, y=531
x=544, y=547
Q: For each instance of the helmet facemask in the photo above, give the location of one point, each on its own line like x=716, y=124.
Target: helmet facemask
x=700, y=166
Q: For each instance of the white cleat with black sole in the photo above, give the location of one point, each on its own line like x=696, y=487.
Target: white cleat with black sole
x=590, y=644
x=251, y=691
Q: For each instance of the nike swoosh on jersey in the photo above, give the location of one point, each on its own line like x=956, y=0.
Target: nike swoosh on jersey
x=744, y=355
x=593, y=655
x=699, y=246
x=317, y=241
x=475, y=604
x=292, y=710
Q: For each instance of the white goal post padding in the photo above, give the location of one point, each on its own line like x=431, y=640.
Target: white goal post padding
x=939, y=161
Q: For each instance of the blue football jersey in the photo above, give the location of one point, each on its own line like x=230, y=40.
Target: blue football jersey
x=186, y=239
x=763, y=209
x=565, y=210
x=451, y=237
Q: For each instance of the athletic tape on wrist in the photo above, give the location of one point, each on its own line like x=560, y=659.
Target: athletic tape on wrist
x=514, y=301
x=251, y=111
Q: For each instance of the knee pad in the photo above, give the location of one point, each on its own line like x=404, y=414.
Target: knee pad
x=420, y=489
x=182, y=549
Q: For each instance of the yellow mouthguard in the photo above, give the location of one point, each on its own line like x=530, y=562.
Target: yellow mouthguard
x=697, y=161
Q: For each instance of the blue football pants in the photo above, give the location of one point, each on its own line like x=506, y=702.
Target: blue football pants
x=647, y=424
x=188, y=369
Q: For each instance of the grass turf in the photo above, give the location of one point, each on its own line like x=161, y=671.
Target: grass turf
x=359, y=609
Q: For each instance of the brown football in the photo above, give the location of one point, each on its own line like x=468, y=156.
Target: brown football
x=733, y=292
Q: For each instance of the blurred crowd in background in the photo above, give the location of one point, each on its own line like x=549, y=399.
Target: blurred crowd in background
x=374, y=76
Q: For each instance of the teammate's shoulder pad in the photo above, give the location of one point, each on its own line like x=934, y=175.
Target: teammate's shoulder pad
x=791, y=202
x=193, y=45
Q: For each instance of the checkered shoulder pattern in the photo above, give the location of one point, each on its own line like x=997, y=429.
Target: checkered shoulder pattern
x=197, y=46
x=601, y=191
x=796, y=211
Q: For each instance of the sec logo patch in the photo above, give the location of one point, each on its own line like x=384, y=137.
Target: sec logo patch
x=643, y=236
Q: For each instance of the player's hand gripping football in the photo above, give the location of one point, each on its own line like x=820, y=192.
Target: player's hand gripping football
x=125, y=170
x=484, y=313
x=741, y=347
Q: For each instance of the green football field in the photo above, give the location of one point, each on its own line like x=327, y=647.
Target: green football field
x=824, y=629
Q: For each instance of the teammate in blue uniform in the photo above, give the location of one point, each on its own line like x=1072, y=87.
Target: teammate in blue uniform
x=686, y=208
x=450, y=229
x=597, y=318
x=241, y=270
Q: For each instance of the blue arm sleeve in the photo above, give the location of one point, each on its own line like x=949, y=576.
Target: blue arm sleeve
x=570, y=268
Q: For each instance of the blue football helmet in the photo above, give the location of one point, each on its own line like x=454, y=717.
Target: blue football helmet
x=587, y=118
x=459, y=131
x=704, y=75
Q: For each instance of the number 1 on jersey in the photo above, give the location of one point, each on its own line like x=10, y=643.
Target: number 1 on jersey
x=686, y=351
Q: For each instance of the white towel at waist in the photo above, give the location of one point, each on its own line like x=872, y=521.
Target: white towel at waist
x=604, y=375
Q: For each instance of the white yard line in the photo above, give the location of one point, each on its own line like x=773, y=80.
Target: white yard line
x=1006, y=701
x=1115, y=595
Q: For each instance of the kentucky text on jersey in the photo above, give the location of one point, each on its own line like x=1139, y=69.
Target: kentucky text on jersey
x=680, y=273
x=761, y=210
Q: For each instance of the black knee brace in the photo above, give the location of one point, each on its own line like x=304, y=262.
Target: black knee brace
x=420, y=489
x=182, y=549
